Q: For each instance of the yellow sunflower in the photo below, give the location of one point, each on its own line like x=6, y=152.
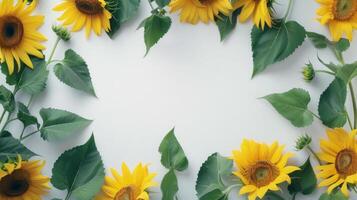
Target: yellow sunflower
x=340, y=154
x=22, y=180
x=340, y=16
x=90, y=14
x=193, y=11
x=258, y=9
x=261, y=168
x=18, y=34
x=128, y=185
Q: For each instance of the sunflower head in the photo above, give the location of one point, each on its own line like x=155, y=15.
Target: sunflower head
x=258, y=10
x=340, y=16
x=22, y=180
x=18, y=34
x=91, y=14
x=194, y=11
x=128, y=185
x=261, y=167
x=339, y=153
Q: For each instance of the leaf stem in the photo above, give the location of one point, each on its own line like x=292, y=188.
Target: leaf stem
x=354, y=105
x=314, y=154
x=22, y=133
x=152, y=7
x=349, y=120
x=326, y=72
x=2, y=115
x=288, y=10
x=315, y=115
x=29, y=135
x=53, y=51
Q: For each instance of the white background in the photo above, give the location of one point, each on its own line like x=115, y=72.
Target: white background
x=190, y=81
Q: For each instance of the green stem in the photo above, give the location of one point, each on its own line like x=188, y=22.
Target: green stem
x=2, y=116
x=354, y=105
x=29, y=135
x=315, y=115
x=314, y=154
x=22, y=133
x=349, y=120
x=294, y=196
x=6, y=122
x=288, y=10
x=68, y=196
x=325, y=71
x=152, y=7
x=53, y=51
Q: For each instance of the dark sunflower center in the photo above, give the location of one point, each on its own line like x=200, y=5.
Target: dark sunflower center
x=89, y=7
x=15, y=184
x=11, y=31
x=263, y=173
x=346, y=162
x=205, y=2
x=345, y=9
x=126, y=193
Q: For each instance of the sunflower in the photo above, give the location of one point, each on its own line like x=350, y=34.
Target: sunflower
x=258, y=9
x=261, y=168
x=128, y=185
x=340, y=16
x=340, y=155
x=23, y=180
x=193, y=11
x=90, y=14
x=18, y=34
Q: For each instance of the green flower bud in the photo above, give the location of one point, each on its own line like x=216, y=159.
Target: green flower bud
x=62, y=32
x=302, y=142
x=308, y=72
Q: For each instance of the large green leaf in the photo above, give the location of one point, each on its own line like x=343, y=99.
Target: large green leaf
x=80, y=171
x=172, y=154
x=332, y=104
x=210, y=181
x=293, y=106
x=226, y=24
x=347, y=72
x=60, y=124
x=11, y=147
x=11, y=79
x=336, y=195
x=155, y=27
x=33, y=81
x=274, y=44
x=7, y=99
x=169, y=186
x=25, y=117
x=73, y=71
x=304, y=180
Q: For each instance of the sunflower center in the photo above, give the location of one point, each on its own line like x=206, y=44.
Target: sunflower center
x=263, y=173
x=15, y=184
x=344, y=9
x=126, y=193
x=11, y=31
x=346, y=162
x=89, y=7
x=205, y=2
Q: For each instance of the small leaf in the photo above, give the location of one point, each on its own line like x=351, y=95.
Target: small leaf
x=332, y=104
x=80, y=171
x=274, y=44
x=293, y=106
x=347, y=72
x=7, y=99
x=342, y=45
x=14, y=78
x=337, y=195
x=272, y=196
x=162, y=3
x=33, y=81
x=318, y=40
x=60, y=124
x=169, y=186
x=304, y=180
x=11, y=147
x=156, y=27
x=226, y=24
x=25, y=117
x=209, y=184
x=73, y=71
x=172, y=154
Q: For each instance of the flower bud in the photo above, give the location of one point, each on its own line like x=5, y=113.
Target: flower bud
x=62, y=32
x=308, y=72
x=302, y=142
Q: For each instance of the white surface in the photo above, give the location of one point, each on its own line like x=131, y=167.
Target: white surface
x=189, y=80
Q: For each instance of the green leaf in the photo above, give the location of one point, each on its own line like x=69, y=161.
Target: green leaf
x=155, y=28
x=226, y=24
x=318, y=40
x=25, y=117
x=272, y=196
x=14, y=78
x=80, y=171
x=213, y=172
x=347, y=72
x=7, y=99
x=162, y=3
x=342, y=45
x=169, y=186
x=304, y=180
x=293, y=106
x=333, y=196
x=122, y=11
x=73, y=71
x=11, y=147
x=34, y=81
x=274, y=44
x=332, y=104
x=172, y=154
x=60, y=124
